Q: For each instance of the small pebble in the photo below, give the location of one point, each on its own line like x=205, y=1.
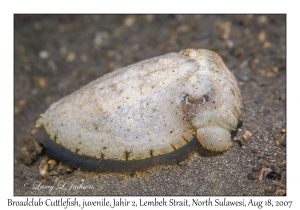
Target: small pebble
x=262, y=19
x=262, y=36
x=246, y=31
x=149, y=18
x=53, y=65
x=283, y=130
x=275, y=69
x=266, y=73
x=71, y=57
x=225, y=26
x=266, y=44
x=225, y=36
x=242, y=65
x=54, y=173
x=52, y=162
x=130, y=20
x=44, y=54
x=42, y=82
x=21, y=49
x=246, y=136
x=84, y=58
x=229, y=43
x=256, y=60
x=136, y=47
x=22, y=102
x=183, y=29
x=17, y=110
x=63, y=50
x=112, y=53
x=101, y=39
x=44, y=167
x=256, y=169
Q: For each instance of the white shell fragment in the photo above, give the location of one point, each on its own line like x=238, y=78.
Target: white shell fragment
x=149, y=108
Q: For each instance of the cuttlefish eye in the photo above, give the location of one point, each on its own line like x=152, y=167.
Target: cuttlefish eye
x=192, y=100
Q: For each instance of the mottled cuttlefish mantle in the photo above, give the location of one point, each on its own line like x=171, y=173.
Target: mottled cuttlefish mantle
x=149, y=109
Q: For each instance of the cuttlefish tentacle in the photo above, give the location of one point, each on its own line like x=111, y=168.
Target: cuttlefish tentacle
x=214, y=138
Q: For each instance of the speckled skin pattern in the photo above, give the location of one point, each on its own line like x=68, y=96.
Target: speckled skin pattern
x=149, y=108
